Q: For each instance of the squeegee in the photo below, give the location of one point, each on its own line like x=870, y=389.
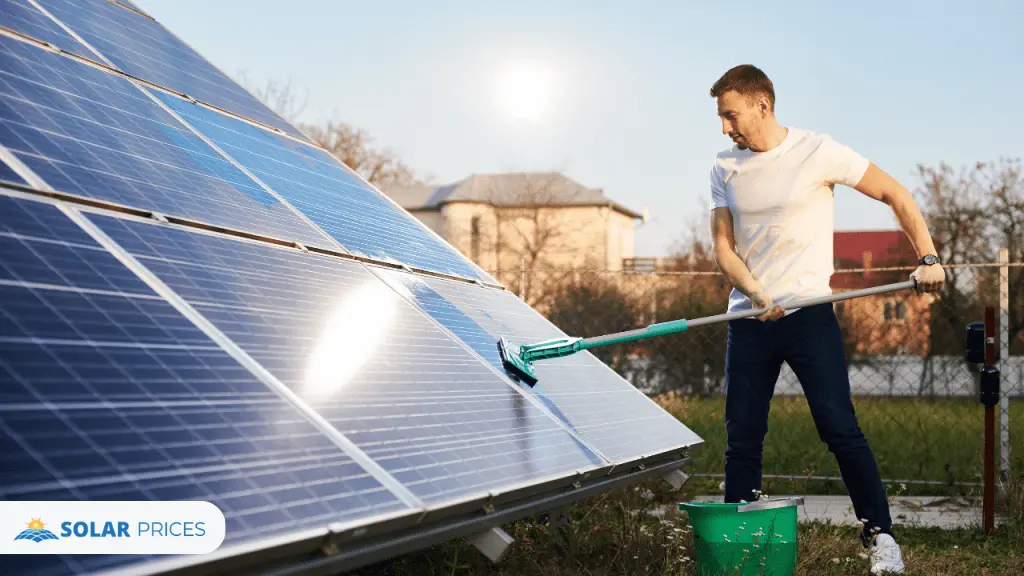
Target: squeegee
x=519, y=361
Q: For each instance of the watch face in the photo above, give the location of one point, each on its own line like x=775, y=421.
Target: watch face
x=930, y=259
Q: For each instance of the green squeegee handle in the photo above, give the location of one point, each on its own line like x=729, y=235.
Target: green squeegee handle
x=552, y=349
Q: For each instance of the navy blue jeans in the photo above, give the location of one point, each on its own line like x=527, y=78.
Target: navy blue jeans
x=811, y=343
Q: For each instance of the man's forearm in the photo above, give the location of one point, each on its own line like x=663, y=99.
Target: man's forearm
x=736, y=272
x=880, y=186
x=913, y=223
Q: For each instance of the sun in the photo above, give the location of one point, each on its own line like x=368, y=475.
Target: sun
x=525, y=90
x=36, y=524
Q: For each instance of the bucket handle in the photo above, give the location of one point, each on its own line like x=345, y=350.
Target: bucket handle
x=770, y=504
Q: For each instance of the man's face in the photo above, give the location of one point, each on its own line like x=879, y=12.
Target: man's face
x=742, y=117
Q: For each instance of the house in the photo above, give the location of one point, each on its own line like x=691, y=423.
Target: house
x=541, y=220
x=896, y=323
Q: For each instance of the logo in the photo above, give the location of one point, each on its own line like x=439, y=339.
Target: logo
x=110, y=527
x=36, y=532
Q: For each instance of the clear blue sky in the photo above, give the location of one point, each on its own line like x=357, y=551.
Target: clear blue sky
x=902, y=82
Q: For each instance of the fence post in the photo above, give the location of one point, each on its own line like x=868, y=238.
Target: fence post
x=1004, y=359
x=988, y=508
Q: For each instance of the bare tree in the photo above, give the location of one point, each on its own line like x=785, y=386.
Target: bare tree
x=279, y=96
x=972, y=215
x=382, y=168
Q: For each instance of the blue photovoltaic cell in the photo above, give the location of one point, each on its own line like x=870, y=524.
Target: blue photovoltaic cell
x=144, y=48
x=603, y=408
x=108, y=393
x=8, y=174
x=435, y=417
x=91, y=133
x=362, y=220
x=22, y=17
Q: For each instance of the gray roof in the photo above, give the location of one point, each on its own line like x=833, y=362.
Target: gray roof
x=510, y=189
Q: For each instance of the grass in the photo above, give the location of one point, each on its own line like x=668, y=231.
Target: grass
x=611, y=535
x=940, y=440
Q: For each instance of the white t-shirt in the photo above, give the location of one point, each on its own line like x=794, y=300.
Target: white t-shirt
x=782, y=207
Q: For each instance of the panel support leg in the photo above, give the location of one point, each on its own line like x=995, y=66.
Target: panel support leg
x=493, y=543
x=676, y=478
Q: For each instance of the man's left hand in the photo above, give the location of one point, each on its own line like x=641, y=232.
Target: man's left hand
x=929, y=278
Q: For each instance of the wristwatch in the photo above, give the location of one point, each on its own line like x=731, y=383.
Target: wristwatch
x=929, y=259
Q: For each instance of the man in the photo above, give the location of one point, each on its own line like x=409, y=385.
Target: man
x=772, y=227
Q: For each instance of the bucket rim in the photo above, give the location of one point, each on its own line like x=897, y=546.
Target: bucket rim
x=771, y=504
x=768, y=504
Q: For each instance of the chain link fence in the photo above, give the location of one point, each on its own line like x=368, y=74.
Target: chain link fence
x=916, y=397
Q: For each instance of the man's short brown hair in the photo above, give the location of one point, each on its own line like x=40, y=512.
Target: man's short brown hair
x=747, y=80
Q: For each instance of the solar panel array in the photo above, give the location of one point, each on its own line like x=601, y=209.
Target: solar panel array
x=165, y=334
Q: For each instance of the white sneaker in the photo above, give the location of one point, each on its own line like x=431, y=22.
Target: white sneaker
x=885, y=556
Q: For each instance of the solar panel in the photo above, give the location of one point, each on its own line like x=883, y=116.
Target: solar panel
x=22, y=17
x=144, y=48
x=315, y=398
x=90, y=133
x=603, y=408
x=108, y=393
x=361, y=219
x=442, y=423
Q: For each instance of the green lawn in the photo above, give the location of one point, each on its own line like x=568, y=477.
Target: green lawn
x=912, y=439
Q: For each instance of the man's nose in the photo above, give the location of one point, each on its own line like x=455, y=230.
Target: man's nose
x=726, y=126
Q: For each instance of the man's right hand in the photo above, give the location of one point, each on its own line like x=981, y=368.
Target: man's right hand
x=762, y=300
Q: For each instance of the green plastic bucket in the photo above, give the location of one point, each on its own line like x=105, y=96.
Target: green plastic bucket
x=759, y=538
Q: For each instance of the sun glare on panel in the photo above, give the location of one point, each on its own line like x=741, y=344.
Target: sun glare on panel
x=350, y=336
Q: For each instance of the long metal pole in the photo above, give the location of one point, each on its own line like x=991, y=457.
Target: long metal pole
x=1004, y=358
x=674, y=326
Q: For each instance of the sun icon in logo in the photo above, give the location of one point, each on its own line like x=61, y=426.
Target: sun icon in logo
x=36, y=532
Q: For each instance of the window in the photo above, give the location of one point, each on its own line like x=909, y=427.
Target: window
x=474, y=239
x=894, y=310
